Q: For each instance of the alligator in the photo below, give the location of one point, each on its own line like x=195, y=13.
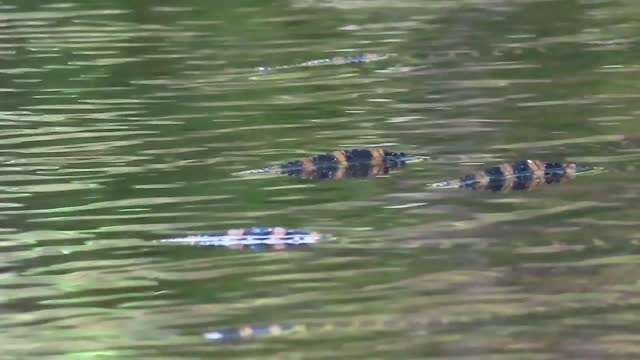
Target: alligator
x=519, y=175
x=342, y=164
x=248, y=332
x=338, y=60
x=256, y=238
x=414, y=323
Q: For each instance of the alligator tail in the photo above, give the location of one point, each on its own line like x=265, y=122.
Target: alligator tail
x=261, y=171
x=406, y=158
x=589, y=169
x=451, y=184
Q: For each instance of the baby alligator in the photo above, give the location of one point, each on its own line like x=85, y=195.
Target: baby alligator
x=247, y=332
x=378, y=323
x=520, y=175
x=257, y=331
x=257, y=238
x=338, y=60
x=356, y=163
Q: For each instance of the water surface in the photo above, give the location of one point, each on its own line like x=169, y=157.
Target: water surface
x=121, y=123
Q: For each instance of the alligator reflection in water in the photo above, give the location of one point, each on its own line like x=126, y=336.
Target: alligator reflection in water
x=338, y=60
x=520, y=175
x=257, y=238
x=356, y=163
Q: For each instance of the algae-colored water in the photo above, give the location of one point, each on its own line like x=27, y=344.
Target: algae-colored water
x=121, y=123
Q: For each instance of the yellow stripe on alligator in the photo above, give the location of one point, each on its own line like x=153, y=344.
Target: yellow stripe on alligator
x=245, y=332
x=340, y=157
x=377, y=154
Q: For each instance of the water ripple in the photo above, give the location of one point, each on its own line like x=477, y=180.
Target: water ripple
x=122, y=124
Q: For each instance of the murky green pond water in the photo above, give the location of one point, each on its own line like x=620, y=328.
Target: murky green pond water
x=121, y=123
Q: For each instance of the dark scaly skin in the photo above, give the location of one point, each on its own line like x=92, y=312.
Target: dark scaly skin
x=355, y=163
x=337, y=172
x=519, y=175
x=257, y=238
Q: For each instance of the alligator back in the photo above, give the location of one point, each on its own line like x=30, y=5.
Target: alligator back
x=342, y=164
x=519, y=175
x=257, y=238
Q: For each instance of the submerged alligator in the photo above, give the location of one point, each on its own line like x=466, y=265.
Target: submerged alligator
x=355, y=163
x=370, y=323
x=256, y=238
x=250, y=332
x=519, y=175
x=338, y=60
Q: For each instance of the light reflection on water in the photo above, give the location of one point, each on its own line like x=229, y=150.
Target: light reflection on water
x=123, y=122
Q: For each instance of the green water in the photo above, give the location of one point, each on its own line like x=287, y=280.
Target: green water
x=121, y=122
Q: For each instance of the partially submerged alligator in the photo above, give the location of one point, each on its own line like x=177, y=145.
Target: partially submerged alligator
x=387, y=323
x=250, y=332
x=355, y=163
x=519, y=175
x=247, y=332
x=256, y=238
x=338, y=60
